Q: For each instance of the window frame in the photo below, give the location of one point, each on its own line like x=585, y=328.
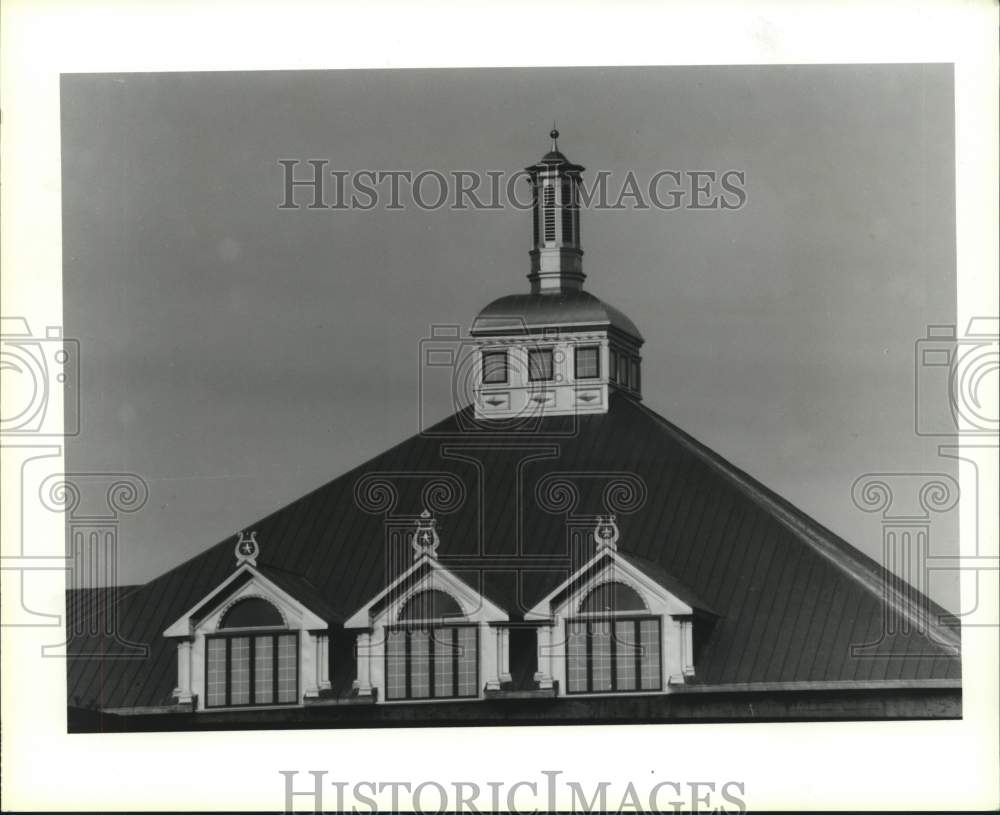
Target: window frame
x=612, y=619
x=251, y=634
x=407, y=661
x=552, y=364
x=502, y=352
x=597, y=362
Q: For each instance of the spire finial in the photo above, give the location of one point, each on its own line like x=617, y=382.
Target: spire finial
x=554, y=135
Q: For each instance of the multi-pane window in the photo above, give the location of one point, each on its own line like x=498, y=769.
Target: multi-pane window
x=494, y=367
x=540, y=364
x=613, y=649
x=251, y=669
x=587, y=362
x=612, y=654
x=433, y=662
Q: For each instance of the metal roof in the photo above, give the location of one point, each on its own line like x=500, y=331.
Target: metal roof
x=557, y=308
x=515, y=512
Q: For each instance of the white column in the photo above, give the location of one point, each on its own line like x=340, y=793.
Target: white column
x=363, y=684
x=687, y=647
x=500, y=672
x=503, y=655
x=323, y=661
x=543, y=676
x=183, y=690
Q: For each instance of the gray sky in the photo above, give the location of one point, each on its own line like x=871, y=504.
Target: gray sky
x=237, y=356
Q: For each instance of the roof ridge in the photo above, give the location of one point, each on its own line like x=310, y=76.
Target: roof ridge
x=866, y=570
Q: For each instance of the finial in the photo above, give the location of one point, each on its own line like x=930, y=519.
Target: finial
x=247, y=549
x=425, y=539
x=554, y=134
x=606, y=533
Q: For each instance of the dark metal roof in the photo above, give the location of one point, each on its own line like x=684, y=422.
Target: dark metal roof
x=561, y=308
x=516, y=511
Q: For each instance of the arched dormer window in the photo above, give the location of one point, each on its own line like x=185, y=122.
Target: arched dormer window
x=430, y=605
x=615, y=647
x=431, y=653
x=246, y=662
x=252, y=612
x=612, y=597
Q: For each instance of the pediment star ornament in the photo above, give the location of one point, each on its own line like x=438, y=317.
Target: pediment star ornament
x=606, y=532
x=247, y=549
x=425, y=539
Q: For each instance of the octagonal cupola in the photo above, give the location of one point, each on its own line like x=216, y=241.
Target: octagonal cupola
x=557, y=349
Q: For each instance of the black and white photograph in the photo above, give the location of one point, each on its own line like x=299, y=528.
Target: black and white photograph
x=443, y=404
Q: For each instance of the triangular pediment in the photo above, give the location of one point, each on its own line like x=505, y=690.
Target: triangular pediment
x=426, y=574
x=245, y=582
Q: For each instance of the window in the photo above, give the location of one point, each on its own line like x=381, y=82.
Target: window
x=539, y=364
x=251, y=669
x=433, y=662
x=494, y=367
x=634, y=381
x=549, y=201
x=613, y=654
x=568, y=210
x=588, y=364
x=615, y=650
x=623, y=370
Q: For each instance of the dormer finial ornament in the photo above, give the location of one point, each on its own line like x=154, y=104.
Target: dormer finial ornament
x=247, y=549
x=425, y=539
x=606, y=533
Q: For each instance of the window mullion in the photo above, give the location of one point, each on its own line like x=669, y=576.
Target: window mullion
x=253, y=669
x=406, y=664
x=636, y=633
x=613, y=651
x=229, y=696
x=431, y=633
x=590, y=656
x=454, y=661
x=274, y=669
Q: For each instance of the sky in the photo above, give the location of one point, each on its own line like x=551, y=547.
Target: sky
x=237, y=355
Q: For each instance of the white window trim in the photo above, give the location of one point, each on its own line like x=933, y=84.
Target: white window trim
x=494, y=658
x=313, y=665
x=676, y=646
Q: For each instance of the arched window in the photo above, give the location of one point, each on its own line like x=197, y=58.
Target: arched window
x=610, y=598
x=252, y=612
x=616, y=647
x=431, y=604
x=432, y=653
x=247, y=668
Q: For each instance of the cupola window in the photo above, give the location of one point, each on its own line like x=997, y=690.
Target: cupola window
x=540, y=364
x=587, y=362
x=494, y=367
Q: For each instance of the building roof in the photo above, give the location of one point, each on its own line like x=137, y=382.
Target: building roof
x=558, y=308
x=515, y=511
